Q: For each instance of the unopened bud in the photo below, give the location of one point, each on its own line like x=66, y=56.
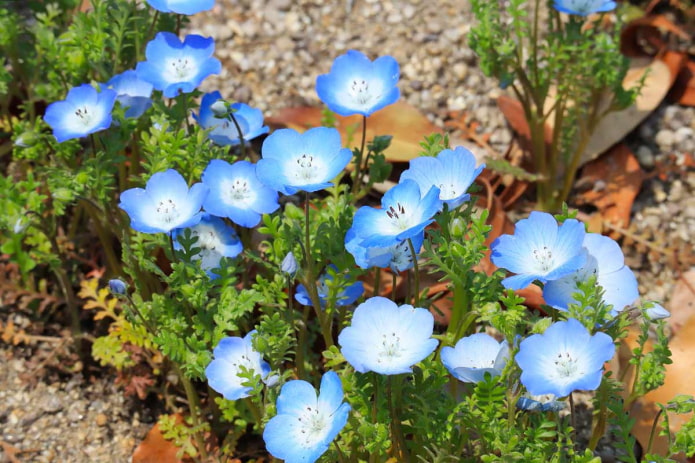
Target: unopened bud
x=20, y=225
x=289, y=264
x=457, y=227
x=26, y=140
x=117, y=286
x=219, y=109
x=656, y=312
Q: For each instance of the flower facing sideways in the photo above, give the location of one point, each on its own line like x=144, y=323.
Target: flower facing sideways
x=584, y=7
x=224, y=132
x=305, y=425
x=308, y=161
x=133, y=93
x=232, y=356
x=565, y=358
x=398, y=257
x=173, y=66
x=84, y=111
x=386, y=338
x=357, y=85
x=540, y=250
x=166, y=203
x=475, y=355
x=187, y=7
x=346, y=297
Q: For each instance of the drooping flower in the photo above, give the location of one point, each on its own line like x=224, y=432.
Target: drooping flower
x=173, y=66
x=117, y=286
x=305, y=425
x=584, y=7
x=133, y=93
x=289, y=264
x=386, y=338
x=186, y=7
x=308, y=161
x=605, y=260
x=166, y=203
x=224, y=132
x=403, y=214
x=398, y=257
x=565, y=358
x=216, y=240
x=356, y=85
x=540, y=250
x=237, y=193
x=346, y=297
x=656, y=311
x=452, y=171
x=475, y=355
x=82, y=112
x=540, y=403
x=231, y=356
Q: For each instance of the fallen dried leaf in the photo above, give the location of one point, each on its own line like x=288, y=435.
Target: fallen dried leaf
x=648, y=35
x=155, y=448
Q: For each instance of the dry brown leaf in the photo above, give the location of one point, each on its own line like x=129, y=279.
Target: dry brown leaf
x=684, y=88
x=514, y=113
x=155, y=448
x=646, y=36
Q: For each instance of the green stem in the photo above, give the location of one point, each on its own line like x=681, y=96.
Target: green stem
x=400, y=452
x=242, y=144
x=416, y=275
x=150, y=33
x=394, y=278
x=358, y=159
x=194, y=405
x=652, y=433
x=302, y=344
x=377, y=280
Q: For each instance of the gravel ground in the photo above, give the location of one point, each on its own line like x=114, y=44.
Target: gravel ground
x=272, y=51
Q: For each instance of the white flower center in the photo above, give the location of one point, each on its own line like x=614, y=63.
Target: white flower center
x=359, y=91
x=168, y=211
x=307, y=168
x=389, y=348
x=447, y=191
x=180, y=69
x=566, y=366
x=401, y=257
x=236, y=191
x=312, y=426
x=544, y=259
x=84, y=117
x=400, y=219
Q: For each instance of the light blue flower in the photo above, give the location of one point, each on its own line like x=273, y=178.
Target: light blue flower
x=133, y=93
x=605, y=260
x=540, y=250
x=475, y=355
x=289, y=264
x=305, y=425
x=174, y=67
x=224, y=132
x=403, y=214
x=166, y=203
x=346, y=297
x=565, y=358
x=584, y=7
x=186, y=7
x=452, y=171
x=357, y=85
x=397, y=257
x=654, y=311
x=216, y=240
x=540, y=403
x=387, y=339
x=308, y=161
x=232, y=356
x=117, y=286
x=237, y=193
x=84, y=111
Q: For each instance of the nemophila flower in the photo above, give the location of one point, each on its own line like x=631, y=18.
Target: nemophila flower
x=656, y=312
x=356, y=85
x=565, y=358
x=605, y=260
x=237, y=193
x=173, y=66
x=398, y=257
x=133, y=93
x=224, y=132
x=475, y=355
x=403, y=214
x=584, y=7
x=387, y=339
x=540, y=250
x=117, y=286
x=346, y=297
x=452, y=171
x=233, y=356
x=540, y=403
x=294, y=161
x=82, y=112
x=289, y=264
x=187, y=7
x=165, y=204
x=216, y=240
x=305, y=425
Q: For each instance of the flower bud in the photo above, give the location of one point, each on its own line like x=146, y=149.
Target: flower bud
x=656, y=312
x=117, y=286
x=289, y=264
x=20, y=225
x=219, y=109
x=26, y=140
x=457, y=227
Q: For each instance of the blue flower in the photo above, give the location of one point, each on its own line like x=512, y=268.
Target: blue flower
x=540, y=403
x=386, y=338
x=584, y=7
x=294, y=161
x=174, y=67
x=475, y=355
x=224, y=132
x=133, y=93
x=289, y=264
x=539, y=250
x=232, y=356
x=117, y=286
x=166, y=203
x=83, y=111
x=187, y=7
x=565, y=358
x=237, y=193
x=397, y=257
x=403, y=214
x=216, y=240
x=305, y=425
x=452, y=171
x=357, y=85
x=606, y=261
x=346, y=297
x=654, y=311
